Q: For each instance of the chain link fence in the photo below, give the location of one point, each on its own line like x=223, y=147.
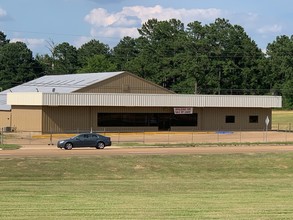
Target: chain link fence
x=282, y=127
x=153, y=138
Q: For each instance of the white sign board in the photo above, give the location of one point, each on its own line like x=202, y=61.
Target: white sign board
x=183, y=111
x=267, y=121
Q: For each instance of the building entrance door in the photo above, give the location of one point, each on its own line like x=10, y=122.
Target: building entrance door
x=164, y=122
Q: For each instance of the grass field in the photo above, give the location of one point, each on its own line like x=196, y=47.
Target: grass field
x=282, y=120
x=246, y=186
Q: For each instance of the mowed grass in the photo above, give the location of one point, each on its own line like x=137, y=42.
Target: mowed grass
x=282, y=120
x=237, y=186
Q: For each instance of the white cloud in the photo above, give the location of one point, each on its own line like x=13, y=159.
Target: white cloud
x=115, y=32
x=126, y=21
x=32, y=43
x=3, y=13
x=270, y=29
x=185, y=15
x=82, y=40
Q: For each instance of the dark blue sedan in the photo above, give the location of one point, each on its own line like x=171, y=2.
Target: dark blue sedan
x=85, y=140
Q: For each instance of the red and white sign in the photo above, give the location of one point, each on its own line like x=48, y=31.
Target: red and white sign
x=183, y=111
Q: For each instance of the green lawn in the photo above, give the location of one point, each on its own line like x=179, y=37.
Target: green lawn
x=282, y=120
x=9, y=146
x=252, y=186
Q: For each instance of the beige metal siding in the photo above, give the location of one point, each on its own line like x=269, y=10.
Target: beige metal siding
x=67, y=119
x=143, y=100
x=5, y=119
x=214, y=119
x=27, y=118
x=160, y=100
x=74, y=119
x=25, y=98
x=125, y=83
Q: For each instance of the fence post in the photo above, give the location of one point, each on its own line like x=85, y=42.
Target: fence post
x=240, y=136
x=2, y=133
x=192, y=139
x=51, y=139
x=118, y=137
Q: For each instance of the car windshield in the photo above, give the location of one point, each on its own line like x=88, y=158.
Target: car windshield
x=76, y=136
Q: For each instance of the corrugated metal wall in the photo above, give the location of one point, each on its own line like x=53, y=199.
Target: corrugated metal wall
x=68, y=119
x=5, y=119
x=125, y=83
x=158, y=100
x=214, y=119
x=27, y=118
x=61, y=119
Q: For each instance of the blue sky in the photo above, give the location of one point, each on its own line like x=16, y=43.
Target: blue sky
x=37, y=22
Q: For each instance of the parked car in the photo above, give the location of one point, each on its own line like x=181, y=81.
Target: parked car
x=85, y=140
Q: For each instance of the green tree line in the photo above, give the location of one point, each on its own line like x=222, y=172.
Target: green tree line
x=215, y=58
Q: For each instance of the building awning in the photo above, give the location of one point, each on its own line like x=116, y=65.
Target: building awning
x=142, y=100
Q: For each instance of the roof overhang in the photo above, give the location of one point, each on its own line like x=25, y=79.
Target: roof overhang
x=142, y=100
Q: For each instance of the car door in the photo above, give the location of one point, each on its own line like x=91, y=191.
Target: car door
x=82, y=140
x=86, y=140
x=78, y=141
x=93, y=140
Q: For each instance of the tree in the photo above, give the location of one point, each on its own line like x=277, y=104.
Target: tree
x=46, y=62
x=17, y=65
x=91, y=49
x=98, y=63
x=65, y=56
x=236, y=57
x=223, y=59
x=287, y=92
x=162, y=51
x=197, y=61
x=124, y=52
x=3, y=39
x=281, y=68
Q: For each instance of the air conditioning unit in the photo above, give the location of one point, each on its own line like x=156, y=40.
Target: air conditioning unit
x=8, y=129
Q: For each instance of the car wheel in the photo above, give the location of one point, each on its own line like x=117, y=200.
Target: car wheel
x=68, y=146
x=100, y=145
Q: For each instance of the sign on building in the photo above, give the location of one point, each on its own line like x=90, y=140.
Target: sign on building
x=183, y=111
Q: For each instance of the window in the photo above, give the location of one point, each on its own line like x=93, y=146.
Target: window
x=253, y=119
x=230, y=119
x=145, y=119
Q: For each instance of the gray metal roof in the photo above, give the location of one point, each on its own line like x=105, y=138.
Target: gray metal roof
x=58, y=83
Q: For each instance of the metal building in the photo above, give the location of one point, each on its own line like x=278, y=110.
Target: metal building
x=121, y=101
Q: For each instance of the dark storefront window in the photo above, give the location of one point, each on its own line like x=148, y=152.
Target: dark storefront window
x=163, y=121
x=230, y=119
x=253, y=119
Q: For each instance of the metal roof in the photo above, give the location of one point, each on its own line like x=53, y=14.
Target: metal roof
x=57, y=83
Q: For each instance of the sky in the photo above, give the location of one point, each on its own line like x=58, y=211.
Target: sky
x=39, y=23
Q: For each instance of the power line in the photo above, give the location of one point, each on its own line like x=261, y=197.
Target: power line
x=56, y=34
